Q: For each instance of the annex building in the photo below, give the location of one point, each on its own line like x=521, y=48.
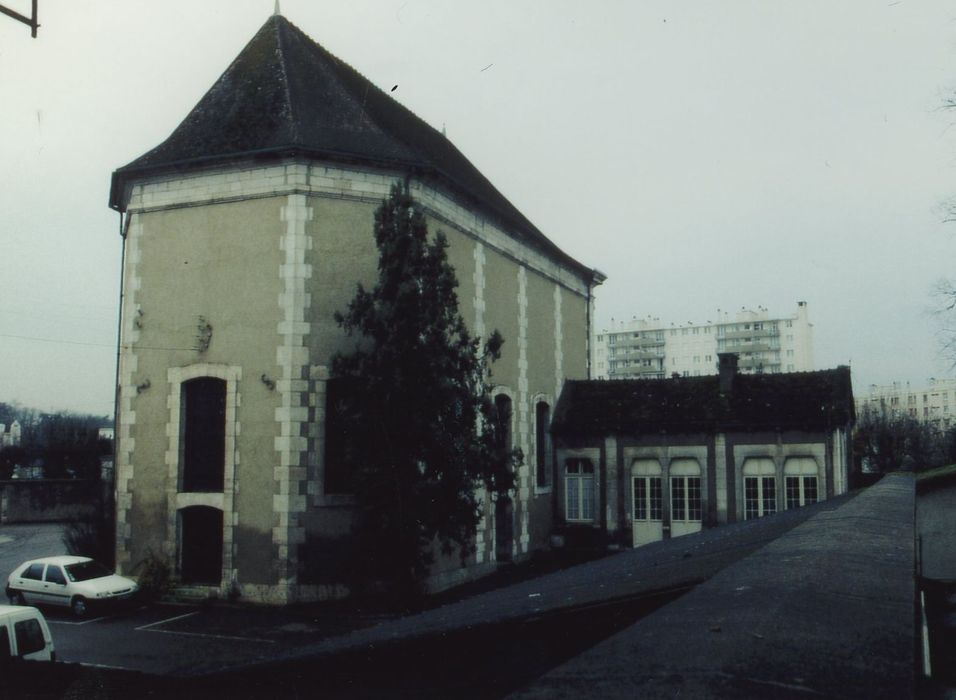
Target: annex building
x=244, y=232
x=650, y=349
x=642, y=460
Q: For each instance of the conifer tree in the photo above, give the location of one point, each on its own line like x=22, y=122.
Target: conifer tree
x=422, y=433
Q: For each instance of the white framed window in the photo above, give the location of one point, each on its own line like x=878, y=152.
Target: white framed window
x=685, y=491
x=760, y=487
x=800, y=481
x=685, y=498
x=579, y=489
x=648, y=490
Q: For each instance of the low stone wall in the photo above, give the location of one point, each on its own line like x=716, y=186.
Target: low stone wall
x=48, y=500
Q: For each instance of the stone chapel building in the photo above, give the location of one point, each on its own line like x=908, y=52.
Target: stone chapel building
x=244, y=232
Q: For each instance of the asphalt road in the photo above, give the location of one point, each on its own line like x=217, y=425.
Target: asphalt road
x=510, y=635
x=28, y=541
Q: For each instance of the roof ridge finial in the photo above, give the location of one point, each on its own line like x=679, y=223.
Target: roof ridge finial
x=277, y=11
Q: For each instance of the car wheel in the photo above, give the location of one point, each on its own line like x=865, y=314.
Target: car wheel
x=78, y=606
x=16, y=597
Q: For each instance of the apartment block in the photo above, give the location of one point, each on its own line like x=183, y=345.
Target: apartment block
x=651, y=349
x=933, y=403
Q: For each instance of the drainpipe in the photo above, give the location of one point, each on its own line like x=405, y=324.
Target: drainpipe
x=123, y=231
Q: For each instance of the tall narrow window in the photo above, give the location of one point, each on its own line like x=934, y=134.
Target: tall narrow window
x=503, y=416
x=203, y=435
x=504, y=508
x=648, y=490
x=542, y=444
x=769, y=495
x=579, y=490
x=678, y=498
x=337, y=473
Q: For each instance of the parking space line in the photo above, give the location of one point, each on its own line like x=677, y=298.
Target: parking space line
x=112, y=668
x=76, y=624
x=213, y=636
x=169, y=619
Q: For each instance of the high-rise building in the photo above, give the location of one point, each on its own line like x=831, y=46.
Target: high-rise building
x=650, y=349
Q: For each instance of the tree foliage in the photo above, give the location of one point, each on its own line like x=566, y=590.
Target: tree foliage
x=422, y=434
x=65, y=444
x=889, y=441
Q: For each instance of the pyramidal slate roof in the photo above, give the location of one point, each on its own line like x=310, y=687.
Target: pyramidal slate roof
x=285, y=95
x=820, y=400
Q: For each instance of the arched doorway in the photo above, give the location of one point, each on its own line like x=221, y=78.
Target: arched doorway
x=200, y=545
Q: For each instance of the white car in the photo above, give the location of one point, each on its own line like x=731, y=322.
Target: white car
x=24, y=634
x=73, y=582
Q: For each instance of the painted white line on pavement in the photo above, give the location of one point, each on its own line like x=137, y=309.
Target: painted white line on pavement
x=114, y=668
x=169, y=619
x=213, y=636
x=75, y=624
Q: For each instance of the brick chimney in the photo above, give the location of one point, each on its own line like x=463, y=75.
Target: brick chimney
x=727, y=370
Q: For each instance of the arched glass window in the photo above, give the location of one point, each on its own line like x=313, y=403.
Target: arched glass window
x=203, y=460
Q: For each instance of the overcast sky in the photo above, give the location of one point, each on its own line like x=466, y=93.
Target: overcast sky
x=704, y=155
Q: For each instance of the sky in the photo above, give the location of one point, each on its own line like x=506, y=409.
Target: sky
x=703, y=155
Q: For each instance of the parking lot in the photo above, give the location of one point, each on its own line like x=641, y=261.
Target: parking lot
x=165, y=638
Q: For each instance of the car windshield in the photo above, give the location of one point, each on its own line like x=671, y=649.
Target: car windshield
x=86, y=570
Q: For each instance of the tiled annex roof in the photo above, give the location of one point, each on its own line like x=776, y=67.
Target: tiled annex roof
x=285, y=95
x=794, y=401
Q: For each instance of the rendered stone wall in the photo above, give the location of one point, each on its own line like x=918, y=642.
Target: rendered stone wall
x=264, y=256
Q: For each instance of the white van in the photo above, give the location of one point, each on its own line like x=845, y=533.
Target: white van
x=24, y=634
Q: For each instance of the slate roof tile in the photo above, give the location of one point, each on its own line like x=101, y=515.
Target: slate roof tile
x=794, y=401
x=286, y=95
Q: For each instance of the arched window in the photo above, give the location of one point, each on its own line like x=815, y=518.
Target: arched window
x=203, y=459
x=542, y=443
